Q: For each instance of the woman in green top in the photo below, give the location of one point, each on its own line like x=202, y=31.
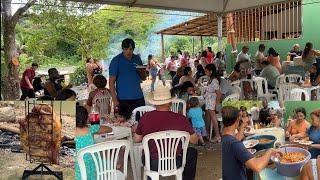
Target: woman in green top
x=309, y=55
x=84, y=138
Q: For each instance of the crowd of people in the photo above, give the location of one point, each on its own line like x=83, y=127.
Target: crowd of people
x=126, y=73
x=269, y=66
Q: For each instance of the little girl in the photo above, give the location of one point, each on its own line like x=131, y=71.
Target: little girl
x=123, y=117
x=84, y=138
x=155, y=70
x=196, y=115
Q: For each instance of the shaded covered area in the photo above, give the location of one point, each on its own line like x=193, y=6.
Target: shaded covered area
x=204, y=6
x=206, y=25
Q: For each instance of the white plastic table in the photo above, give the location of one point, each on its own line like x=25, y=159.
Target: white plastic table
x=120, y=133
x=268, y=173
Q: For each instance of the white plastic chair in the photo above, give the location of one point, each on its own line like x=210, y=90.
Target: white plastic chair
x=237, y=90
x=296, y=94
x=293, y=78
x=102, y=100
x=175, y=106
x=236, y=83
x=105, y=156
x=232, y=97
x=262, y=88
x=141, y=110
x=280, y=80
x=285, y=90
x=167, y=143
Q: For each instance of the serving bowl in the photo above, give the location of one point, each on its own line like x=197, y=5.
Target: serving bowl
x=291, y=169
x=262, y=146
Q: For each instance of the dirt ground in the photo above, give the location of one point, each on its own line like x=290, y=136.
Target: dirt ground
x=209, y=165
x=12, y=164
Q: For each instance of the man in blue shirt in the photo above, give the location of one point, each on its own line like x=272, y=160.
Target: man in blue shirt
x=124, y=79
x=235, y=157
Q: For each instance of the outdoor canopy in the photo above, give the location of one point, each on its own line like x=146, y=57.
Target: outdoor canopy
x=203, y=6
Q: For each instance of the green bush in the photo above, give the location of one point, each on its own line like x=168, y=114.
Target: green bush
x=79, y=76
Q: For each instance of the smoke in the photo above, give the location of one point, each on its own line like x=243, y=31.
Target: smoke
x=153, y=45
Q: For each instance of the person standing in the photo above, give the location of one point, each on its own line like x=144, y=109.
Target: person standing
x=90, y=66
x=125, y=77
x=212, y=99
x=259, y=57
x=210, y=55
x=243, y=55
x=274, y=59
x=172, y=67
x=26, y=82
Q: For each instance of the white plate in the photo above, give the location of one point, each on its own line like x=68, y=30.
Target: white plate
x=305, y=142
x=296, y=140
x=252, y=151
x=250, y=143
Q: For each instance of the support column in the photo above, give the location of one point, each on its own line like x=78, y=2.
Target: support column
x=220, y=32
x=193, y=45
x=201, y=43
x=162, y=49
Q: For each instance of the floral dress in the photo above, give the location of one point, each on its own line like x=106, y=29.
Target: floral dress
x=210, y=94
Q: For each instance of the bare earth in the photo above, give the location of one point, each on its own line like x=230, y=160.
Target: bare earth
x=12, y=164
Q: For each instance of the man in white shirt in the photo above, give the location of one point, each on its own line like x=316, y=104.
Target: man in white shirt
x=259, y=57
x=243, y=55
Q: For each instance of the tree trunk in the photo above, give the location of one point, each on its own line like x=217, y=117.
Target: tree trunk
x=10, y=88
x=10, y=84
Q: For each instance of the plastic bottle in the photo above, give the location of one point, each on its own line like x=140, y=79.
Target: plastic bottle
x=94, y=116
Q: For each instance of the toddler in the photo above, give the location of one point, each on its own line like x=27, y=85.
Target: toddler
x=195, y=113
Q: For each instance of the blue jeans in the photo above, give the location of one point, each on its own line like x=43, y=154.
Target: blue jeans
x=153, y=82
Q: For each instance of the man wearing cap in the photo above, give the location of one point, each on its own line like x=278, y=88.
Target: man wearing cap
x=26, y=82
x=162, y=119
x=124, y=80
x=235, y=157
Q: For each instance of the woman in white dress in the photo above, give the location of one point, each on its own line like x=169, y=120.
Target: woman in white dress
x=212, y=97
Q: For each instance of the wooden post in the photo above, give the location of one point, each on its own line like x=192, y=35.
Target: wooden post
x=193, y=45
x=162, y=45
x=220, y=32
x=201, y=43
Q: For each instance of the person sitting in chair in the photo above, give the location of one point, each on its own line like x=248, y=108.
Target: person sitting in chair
x=162, y=120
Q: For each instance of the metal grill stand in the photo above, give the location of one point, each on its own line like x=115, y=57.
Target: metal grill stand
x=35, y=171
x=41, y=169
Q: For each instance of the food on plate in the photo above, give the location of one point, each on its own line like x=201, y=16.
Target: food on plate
x=292, y=157
x=305, y=142
x=264, y=141
x=250, y=143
